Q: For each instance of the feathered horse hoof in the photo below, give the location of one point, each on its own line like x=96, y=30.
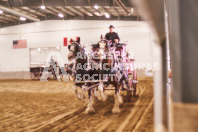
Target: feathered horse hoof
x=116, y=109
x=89, y=111
x=101, y=96
x=81, y=96
x=120, y=100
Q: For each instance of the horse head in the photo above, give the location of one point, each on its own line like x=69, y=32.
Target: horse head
x=103, y=48
x=73, y=48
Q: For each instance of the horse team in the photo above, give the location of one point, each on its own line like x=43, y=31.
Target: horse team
x=95, y=71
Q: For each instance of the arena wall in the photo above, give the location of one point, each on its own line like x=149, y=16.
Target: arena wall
x=15, y=63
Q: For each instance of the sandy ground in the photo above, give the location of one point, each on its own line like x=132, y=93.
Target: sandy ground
x=52, y=106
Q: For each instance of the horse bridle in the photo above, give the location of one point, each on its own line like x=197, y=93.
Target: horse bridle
x=105, y=43
x=74, y=43
x=71, y=51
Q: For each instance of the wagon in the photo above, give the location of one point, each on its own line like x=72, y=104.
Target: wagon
x=36, y=72
x=40, y=71
x=129, y=67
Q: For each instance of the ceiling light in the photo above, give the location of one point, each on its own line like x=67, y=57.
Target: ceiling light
x=89, y=14
x=57, y=47
x=39, y=49
x=107, y=15
x=43, y=7
x=97, y=13
x=22, y=18
x=132, y=10
x=96, y=7
x=61, y=15
x=1, y=12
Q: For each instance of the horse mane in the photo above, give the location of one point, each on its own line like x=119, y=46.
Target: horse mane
x=80, y=49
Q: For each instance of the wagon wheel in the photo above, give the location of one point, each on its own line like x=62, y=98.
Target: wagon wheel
x=129, y=91
x=134, y=84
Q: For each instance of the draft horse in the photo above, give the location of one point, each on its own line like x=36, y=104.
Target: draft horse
x=113, y=69
x=78, y=53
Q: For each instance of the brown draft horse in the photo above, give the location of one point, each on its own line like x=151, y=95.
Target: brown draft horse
x=78, y=53
x=112, y=69
x=75, y=48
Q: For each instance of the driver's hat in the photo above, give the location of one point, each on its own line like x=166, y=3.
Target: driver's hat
x=111, y=26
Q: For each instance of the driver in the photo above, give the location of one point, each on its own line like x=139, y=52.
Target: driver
x=113, y=36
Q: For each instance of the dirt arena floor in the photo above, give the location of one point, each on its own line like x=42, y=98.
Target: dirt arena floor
x=52, y=106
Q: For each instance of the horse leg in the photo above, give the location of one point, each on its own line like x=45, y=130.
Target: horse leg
x=71, y=78
x=93, y=94
x=80, y=95
x=118, y=100
x=125, y=80
x=101, y=95
x=90, y=108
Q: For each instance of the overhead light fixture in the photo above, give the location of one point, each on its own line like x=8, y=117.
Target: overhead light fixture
x=89, y=14
x=57, y=47
x=1, y=12
x=107, y=15
x=61, y=15
x=97, y=13
x=22, y=18
x=39, y=49
x=42, y=7
x=96, y=7
x=132, y=10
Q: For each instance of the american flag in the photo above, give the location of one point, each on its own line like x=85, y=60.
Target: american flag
x=17, y=44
